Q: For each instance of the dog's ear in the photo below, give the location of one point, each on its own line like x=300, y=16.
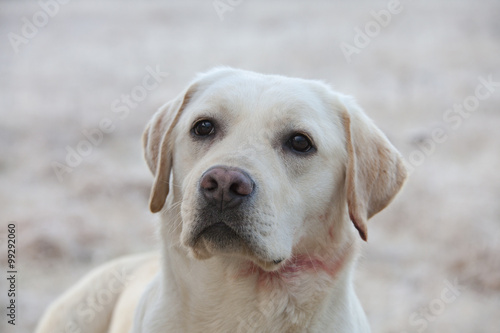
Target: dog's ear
x=375, y=171
x=158, y=146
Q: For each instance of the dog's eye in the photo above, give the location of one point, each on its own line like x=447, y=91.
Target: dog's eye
x=204, y=128
x=300, y=143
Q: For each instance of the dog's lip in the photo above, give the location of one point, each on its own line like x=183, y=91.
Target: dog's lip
x=266, y=264
x=221, y=225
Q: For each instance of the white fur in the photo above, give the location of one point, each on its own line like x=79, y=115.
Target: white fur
x=301, y=213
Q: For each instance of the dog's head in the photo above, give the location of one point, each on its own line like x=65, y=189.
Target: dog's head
x=256, y=164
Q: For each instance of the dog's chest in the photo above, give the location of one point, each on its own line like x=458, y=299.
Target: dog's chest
x=276, y=306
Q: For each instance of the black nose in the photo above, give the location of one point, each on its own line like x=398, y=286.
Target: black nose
x=226, y=187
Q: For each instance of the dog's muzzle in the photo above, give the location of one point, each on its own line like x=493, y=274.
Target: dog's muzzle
x=224, y=197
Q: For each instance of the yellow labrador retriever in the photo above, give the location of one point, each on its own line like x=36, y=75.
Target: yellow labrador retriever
x=257, y=179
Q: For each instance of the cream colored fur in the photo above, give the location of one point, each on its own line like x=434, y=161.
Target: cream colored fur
x=295, y=275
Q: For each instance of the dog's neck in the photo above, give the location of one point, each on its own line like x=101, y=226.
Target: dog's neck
x=325, y=266
x=304, y=284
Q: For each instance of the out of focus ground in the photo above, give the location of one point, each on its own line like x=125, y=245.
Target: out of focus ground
x=64, y=80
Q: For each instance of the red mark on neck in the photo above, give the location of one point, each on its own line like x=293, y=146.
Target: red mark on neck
x=294, y=268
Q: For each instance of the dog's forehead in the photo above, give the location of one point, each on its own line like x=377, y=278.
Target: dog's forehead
x=265, y=98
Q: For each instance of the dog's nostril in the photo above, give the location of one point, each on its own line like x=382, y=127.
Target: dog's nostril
x=241, y=186
x=209, y=184
x=226, y=187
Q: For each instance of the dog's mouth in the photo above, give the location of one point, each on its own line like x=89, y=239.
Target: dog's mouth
x=220, y=238
x=220, y=235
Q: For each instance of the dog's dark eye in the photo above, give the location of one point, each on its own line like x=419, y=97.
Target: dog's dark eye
x=300, y=143
x=204, y=128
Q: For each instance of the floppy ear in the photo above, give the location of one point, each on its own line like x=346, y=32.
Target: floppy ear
x=158, y=146
x=375, y=171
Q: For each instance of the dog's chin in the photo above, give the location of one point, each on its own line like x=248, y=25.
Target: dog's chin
x=220, y=240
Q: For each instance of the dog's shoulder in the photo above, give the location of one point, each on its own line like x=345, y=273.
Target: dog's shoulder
x=90, y=305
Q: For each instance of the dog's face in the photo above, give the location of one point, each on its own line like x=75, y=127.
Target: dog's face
x=260, y=164
x=253, y=160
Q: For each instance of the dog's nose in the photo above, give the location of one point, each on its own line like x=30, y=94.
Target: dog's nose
x=226, y=187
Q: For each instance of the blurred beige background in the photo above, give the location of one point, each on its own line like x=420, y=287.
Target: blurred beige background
x=412, y=76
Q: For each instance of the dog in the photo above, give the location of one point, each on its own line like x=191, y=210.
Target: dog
x=263, y=185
